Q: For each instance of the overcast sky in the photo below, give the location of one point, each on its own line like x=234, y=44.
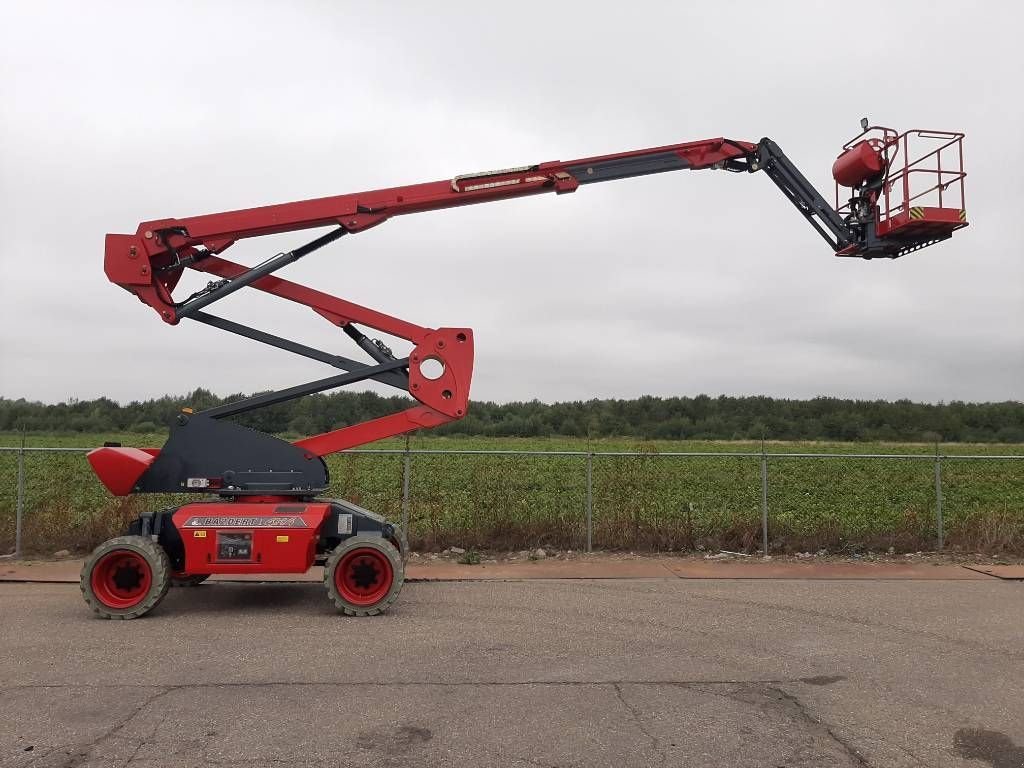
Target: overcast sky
x=676, y=284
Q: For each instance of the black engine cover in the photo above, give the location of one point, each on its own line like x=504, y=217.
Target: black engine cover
x=209, y=456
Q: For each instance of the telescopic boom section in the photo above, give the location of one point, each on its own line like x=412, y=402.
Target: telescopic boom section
x=438, y=371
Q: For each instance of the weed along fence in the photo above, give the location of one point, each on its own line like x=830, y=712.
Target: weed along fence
x=506, y=500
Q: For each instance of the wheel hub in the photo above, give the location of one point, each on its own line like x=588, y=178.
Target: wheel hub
x=364, y=576
x=127, y=577
x=121, y=579
x=364, y=573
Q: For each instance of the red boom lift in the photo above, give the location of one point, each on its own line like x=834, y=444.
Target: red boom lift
x=905, y=193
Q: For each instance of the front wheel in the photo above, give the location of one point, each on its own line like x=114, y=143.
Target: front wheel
x=125, y=577
x=364, y=575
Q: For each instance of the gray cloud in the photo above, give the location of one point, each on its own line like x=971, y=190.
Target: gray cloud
x=674, y=284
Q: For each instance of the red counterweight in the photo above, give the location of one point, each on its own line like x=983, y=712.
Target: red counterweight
x=119, y=468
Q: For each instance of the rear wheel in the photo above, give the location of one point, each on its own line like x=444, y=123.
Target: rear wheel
x=125, y=577
x=364, y=575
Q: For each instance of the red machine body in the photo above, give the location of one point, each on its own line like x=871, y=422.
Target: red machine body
x=268, y=536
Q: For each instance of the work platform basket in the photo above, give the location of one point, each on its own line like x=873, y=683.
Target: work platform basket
x=921, y=200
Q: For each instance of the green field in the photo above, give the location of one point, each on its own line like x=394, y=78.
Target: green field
x=650, y=501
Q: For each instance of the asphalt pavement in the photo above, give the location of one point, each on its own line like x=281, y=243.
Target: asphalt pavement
x=640, y=672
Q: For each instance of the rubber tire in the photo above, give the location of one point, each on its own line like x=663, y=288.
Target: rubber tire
x=383, y=546
x=193, y=580
x=158, y=562
x=401, y=542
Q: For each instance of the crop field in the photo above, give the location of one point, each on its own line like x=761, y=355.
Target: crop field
x=651, y=501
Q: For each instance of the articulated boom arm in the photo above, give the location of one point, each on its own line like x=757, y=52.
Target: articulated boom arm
x=150, y=262
x=202, y=456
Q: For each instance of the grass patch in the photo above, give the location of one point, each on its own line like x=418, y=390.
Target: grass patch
x=647, y=502
x=471, y=557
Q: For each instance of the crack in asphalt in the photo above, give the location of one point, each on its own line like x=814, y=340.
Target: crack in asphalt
x=637, y=718
x=878, y=735
x=148, y=738
x=82, y=752
x=762, y=690
x=744, y=691
x=816, y=722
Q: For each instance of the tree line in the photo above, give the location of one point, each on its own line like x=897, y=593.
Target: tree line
x=660, y=418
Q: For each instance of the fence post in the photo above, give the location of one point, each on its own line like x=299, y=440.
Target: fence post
x=590, y=501
x=764, y=501
x=20, y=504
x=938, y=497
x=406, y=471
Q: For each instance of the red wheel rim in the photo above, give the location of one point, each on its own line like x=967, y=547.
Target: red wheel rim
x=364, y=576
x=121, y=579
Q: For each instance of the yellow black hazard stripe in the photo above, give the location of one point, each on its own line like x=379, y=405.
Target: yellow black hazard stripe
x=917, y=213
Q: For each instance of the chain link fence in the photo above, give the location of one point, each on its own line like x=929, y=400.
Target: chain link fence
x=512, y=500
